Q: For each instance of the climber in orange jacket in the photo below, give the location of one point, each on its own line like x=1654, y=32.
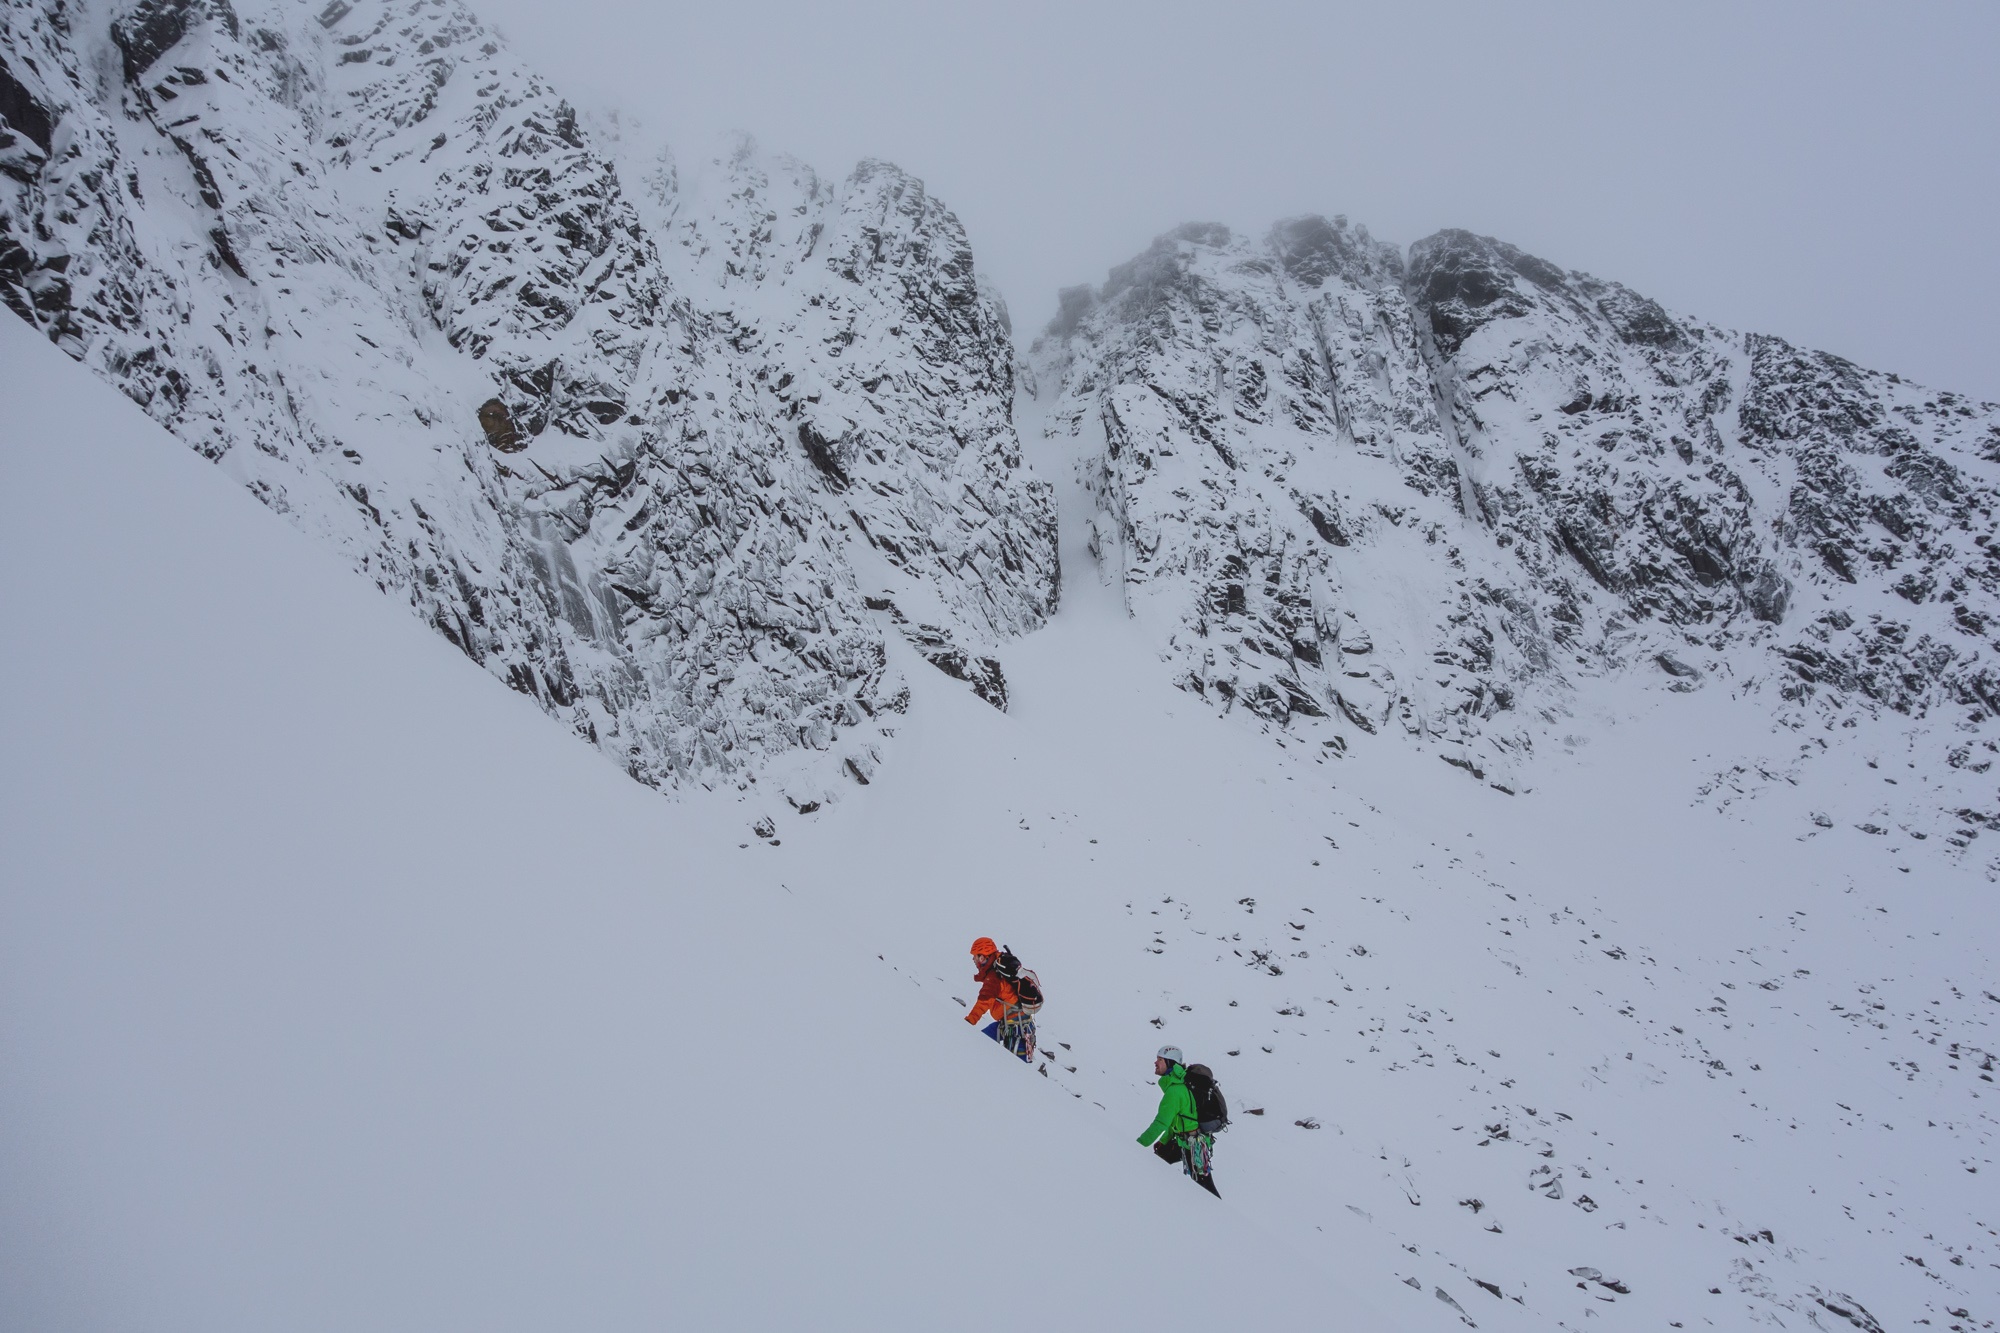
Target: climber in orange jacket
x=996, y=993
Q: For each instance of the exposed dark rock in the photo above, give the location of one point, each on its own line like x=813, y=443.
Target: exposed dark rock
x=825, y=455
x=22, y=113
x=1673, y=666
x=498, y=423
x=1843, y=1306
x=984, y=674
x=1464, y=282
x=1313, y=249
x=149, y=30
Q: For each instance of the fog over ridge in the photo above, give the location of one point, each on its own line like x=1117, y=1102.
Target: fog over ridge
x=1817, y=172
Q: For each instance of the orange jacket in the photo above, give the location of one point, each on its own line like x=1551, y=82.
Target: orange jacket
x=996, y=994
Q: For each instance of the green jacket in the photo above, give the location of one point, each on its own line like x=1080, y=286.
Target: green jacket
x=1176, y=1107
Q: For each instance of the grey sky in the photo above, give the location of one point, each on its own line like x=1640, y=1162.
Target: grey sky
x=1822, y=171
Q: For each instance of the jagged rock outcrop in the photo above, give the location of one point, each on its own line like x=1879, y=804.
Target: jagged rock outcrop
x=1266, y=415
x=1357, y=493
x=647, y=436
x=890, y=361
x=336, y=249
x=1728, y=487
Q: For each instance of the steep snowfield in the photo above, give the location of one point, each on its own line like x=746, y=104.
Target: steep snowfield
x=339, y=989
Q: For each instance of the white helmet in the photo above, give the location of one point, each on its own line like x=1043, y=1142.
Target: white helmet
x=1172, y=1054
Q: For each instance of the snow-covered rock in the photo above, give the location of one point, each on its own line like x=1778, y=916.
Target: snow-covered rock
x=891, y=363
x=314, y=243
x=1357, y=494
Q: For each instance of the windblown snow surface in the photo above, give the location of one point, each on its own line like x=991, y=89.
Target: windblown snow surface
x=339, y=988
x=344, y=991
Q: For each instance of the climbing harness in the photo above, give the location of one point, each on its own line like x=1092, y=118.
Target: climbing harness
x=1196, y=1149
x=1017, y=1031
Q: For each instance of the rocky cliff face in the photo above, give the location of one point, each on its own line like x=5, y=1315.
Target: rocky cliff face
x=674, y=445
x=315, y=242
x=891, y=364
x=1439, y=496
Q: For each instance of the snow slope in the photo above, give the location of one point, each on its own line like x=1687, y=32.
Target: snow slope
x=340, y=990
x=1596, y=1056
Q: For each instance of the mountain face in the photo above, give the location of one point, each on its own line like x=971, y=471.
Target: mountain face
x=674, y=445
x=340, y=250
x=1447, y=496
x=688, y=449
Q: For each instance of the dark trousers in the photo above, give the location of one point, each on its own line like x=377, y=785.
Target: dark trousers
x=1168, y=1150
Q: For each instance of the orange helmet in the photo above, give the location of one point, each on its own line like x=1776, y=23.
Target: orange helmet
x=982, y=946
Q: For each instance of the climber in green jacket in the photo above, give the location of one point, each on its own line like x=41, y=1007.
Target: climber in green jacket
x=1178, y=1131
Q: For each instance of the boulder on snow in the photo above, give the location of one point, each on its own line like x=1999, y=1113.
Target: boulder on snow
x=1673, y=666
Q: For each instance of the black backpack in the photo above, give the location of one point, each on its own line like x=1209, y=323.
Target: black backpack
x=1211, y=1110
x=1025, y=983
